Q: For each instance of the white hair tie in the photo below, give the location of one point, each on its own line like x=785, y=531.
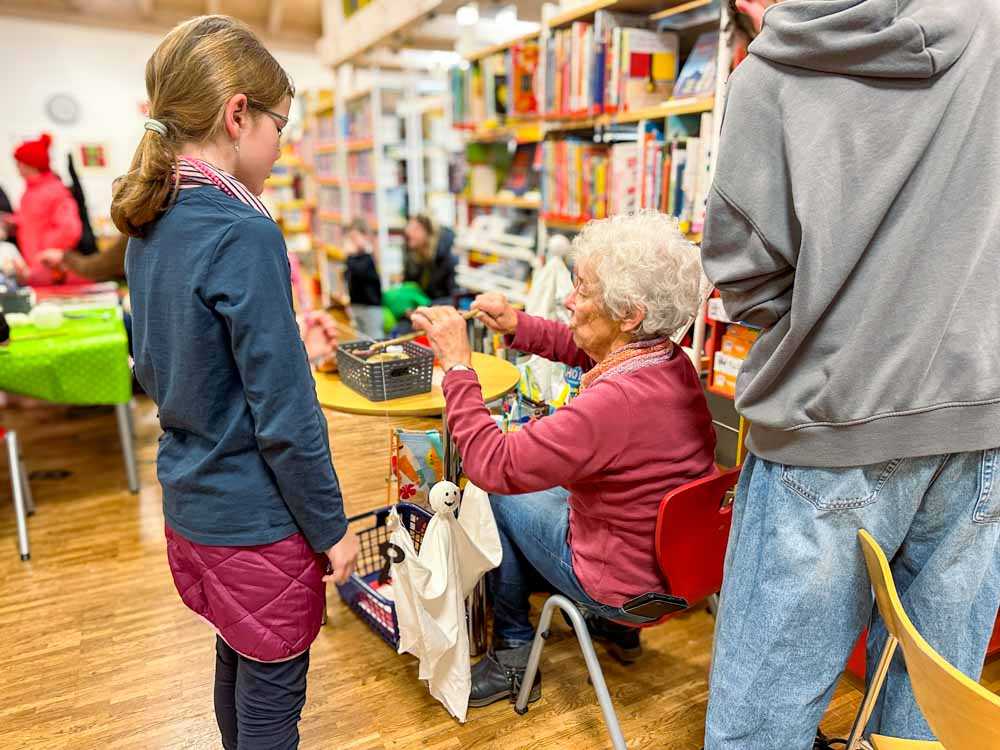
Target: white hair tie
x=156, y=126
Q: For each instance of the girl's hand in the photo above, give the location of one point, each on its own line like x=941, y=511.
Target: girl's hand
x=343, y=557
x=319, y=334
x=448, y=334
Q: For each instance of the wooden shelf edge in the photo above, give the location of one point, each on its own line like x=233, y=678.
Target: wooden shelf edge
x=574, y=14
x=678, y=9
x=361, y=144
x=501, y=202
x=502, y=46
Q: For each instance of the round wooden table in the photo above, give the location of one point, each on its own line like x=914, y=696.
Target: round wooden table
x=496, y=376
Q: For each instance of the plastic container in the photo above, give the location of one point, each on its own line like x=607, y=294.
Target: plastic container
x=381, y=381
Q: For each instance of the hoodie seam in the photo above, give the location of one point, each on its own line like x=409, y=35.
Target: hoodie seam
x=892, y=414
x=753, y=225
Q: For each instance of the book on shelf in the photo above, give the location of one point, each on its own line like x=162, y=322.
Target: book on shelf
x=688, y=19
x=497, y=87
x=697, y=76
x=583, y=180
x=649, y=67
x=574, y=179
x=521, y=175
x=356, y=120
x=328, y=199
x=524, y=78
x=621, y=62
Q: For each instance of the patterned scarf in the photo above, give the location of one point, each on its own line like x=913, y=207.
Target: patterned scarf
x=195, y=173
x=630, y=358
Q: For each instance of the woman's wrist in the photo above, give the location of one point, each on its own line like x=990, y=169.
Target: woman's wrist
x=451, y=364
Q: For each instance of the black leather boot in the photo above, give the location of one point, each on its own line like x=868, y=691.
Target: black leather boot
x=621, y=641
x=498, y=676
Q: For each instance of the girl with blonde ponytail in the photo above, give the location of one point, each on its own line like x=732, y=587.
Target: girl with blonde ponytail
x=254, y=517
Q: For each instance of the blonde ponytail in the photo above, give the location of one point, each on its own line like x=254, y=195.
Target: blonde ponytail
x=146, y=191
x=194, y=71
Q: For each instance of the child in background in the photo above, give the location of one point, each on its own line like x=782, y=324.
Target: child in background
x=363, y=284
x=252, y=505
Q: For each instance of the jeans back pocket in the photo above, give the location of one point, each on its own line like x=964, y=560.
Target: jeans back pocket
x=988, y=506
x=841, y=488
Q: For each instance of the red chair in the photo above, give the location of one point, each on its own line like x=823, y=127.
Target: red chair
x=692, y=530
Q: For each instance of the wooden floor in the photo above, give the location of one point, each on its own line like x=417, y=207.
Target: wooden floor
x=98, y=652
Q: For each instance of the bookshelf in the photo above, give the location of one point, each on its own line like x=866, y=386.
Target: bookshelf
x=609, y=134
x=356, y=174
x=430, y=143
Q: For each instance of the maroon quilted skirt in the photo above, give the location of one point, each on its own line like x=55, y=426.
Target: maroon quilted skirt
x=265, y=601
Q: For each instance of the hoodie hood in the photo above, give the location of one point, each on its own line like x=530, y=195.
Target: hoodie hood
x=914, y=39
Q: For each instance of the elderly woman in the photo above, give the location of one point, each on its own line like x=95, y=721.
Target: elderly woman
x=576, y=494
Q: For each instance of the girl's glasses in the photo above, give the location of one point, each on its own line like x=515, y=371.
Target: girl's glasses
x=280, y=121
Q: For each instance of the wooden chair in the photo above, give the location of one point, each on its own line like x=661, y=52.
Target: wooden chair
x=962, y=713
x=692, y=531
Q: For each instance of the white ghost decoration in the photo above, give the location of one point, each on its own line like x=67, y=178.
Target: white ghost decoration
x=430, y=587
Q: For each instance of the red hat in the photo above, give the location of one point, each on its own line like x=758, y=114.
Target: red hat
x=35, y=153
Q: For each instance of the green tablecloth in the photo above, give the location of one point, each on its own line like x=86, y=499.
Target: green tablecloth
x=83, y=362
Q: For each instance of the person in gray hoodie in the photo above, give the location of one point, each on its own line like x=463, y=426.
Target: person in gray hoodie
x=854, y=218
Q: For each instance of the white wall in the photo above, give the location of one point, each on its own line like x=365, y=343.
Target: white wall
x=104, y=71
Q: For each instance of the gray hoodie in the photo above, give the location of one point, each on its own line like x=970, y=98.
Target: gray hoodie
x=855, y=215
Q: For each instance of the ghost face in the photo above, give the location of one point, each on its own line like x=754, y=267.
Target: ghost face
x=445, y=497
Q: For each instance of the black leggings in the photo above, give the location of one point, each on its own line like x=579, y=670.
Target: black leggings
x=258, y=704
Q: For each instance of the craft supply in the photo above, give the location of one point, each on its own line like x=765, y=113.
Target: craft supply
x=378, y=345
x=46, y=315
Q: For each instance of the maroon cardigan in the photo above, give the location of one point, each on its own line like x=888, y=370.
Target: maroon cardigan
x=618, y=448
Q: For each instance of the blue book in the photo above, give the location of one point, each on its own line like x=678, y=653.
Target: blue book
x=697, y=77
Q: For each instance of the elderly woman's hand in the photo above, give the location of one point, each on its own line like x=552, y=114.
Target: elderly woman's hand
x=448, y=334
x=498, y=315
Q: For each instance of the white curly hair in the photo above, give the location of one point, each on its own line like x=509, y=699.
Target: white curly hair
x=642, y=260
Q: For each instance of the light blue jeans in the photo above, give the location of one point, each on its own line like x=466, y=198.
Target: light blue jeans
x=796, y=593
x=534, y=531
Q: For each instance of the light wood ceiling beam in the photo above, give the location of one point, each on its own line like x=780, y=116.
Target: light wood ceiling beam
x=159, y=22
x=373, y=25
x=416, y=40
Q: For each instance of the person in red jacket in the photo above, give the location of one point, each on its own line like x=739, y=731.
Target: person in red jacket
x=47, y=219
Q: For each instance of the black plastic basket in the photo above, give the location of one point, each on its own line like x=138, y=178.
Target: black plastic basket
x=359, y=592
x=381, y=381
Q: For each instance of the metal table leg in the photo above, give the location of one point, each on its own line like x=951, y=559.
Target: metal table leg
x=122, y=412
x=14, y=457
x=475, y=605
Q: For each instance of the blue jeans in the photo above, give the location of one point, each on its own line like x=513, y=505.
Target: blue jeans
x=796, y=593
x=536, y=556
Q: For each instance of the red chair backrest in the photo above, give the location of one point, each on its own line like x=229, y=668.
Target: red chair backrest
x=692, y=530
